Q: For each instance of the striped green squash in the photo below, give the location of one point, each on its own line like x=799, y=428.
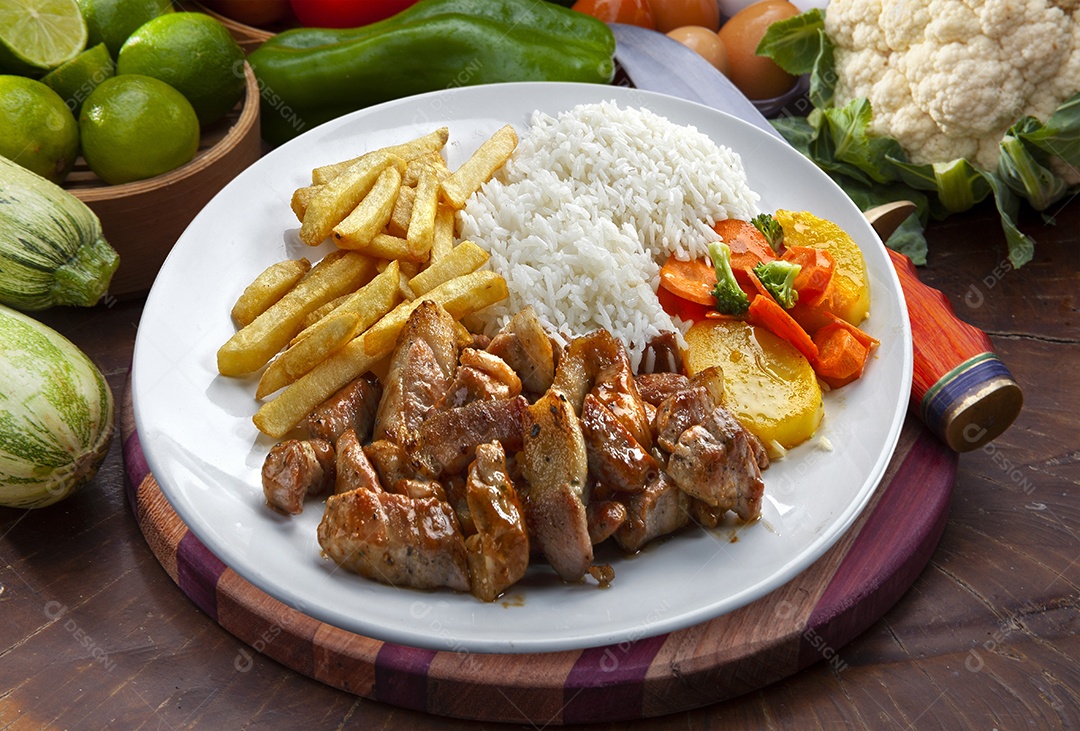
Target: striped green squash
x=56, y=414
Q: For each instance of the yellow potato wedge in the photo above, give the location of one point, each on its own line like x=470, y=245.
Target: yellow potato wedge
x=432, y=161
x=267, y=288
x=301, y=199
x=479, y=168
x=464, y=258
x=329, y=335
x=370, y=302
x=385, y=246
x=432, y=142
x=341, y=195
x=372, y=214
x=252, y=347
x=322, y=311
x=442, y=240
x=421, y=229
x=399, y=217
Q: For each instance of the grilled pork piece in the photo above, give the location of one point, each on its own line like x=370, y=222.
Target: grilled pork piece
x=447, y=440
x=354, y=469
x=554, y=462
x=525, y=346
x=353, y=407
x=615, y=458
x=661, y=508
x=420, y=370
x=480, y=376
x=604, y=518
x=655, y=387
x=395, y=539
x=498, y=553
x=396, y=473
x=679, y=412
x=294, y=469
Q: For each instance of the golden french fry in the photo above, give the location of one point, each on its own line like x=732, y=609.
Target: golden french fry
x=341, y=195
x=251, y=347
x=372, y=214
x=332, y=333
x=399, y=218
x=370, y=302
x=322, y=311
x=479, y=168
x=464, y=258
x=442, y=239
x=267, y=288
x=460, y=296
x=301, y=199
x=385, y=246
x=432, y=142
x=421, y=229
x=432, y=161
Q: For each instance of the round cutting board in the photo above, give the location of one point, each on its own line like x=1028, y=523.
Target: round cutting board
x=807, y=620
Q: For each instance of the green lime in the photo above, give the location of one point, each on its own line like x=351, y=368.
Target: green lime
x=74, y=80
x=193, y=53
x=134, y=127
x=112, y=21
x=37, y=130
x=37, y=35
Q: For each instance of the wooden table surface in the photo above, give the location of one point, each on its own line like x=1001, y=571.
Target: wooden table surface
x=94, y=634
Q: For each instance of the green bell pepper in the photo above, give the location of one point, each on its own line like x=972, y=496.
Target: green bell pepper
x=308, y=76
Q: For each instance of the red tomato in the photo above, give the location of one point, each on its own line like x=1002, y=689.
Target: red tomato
x=346, y=13
x=631, y=12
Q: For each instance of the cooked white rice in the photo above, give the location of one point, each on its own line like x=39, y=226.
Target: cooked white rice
x=589, y=207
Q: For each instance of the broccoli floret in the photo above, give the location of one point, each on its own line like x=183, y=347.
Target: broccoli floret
x=770, y=229
x=730, y=299
x=778, y=277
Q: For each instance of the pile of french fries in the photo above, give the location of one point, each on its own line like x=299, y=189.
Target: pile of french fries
x=391, y=213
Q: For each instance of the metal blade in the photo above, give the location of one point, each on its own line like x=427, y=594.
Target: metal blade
x=655, y=62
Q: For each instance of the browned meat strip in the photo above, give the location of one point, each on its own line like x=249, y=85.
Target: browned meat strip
x=480, y=376
x=498, y=553
x=655, y=387
x=420, y=488
x=554, y=463
x=353, y=407
x=525, y=346
x=604, y=518
x=294, y=469
x=354, y=469
x=448, y=439
x=661, y=508
x=615, y=457
x=454, y=485
x=390, y=461
x=715, y=463
x=679, y=412
x=420, y=370
x=395, y=539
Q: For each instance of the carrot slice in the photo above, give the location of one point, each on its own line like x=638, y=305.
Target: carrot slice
x=841, y=356
x=765, y=311
x=749, y=247
x=817, y=270
x=692, y=280
x=684, y=309
x=869, y=342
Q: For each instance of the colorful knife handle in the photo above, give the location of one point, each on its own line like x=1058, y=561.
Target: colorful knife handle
x=960, y=389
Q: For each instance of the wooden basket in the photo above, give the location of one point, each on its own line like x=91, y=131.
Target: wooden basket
x=142, y=220
x=248, y=37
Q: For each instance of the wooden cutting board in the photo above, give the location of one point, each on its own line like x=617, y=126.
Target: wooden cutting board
x=806, y=621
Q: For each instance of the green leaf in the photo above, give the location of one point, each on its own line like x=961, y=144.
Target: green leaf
x=1021, y=247
x=795, y=43
x=958, y=184
x=1022, y=168
x=797, y=131
x=1060, y=135
x=823, y=77
x=852, y=143
x=908, y=239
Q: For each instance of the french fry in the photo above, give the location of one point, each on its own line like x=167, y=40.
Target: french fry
x=322, y=311
x=267, y=288
x=432, y=161
x=251, y=347
x=442, y=239
x=399, y=218
x=432, y=142
x=479, y=168
x=301, y=199
x=332, y=333
x=372, y=214
x=370, y=302
x=464, y=258
x=385, y=246
x=341, y=195
x=421, y=229
x=460, y=296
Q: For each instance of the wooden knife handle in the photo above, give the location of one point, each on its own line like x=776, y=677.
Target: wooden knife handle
x=960, y=389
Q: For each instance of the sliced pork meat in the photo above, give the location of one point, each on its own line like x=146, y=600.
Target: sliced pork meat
x=354, y=469
x=294, y=469
x=616, y=459
x=525, y=346
x=448, y=439
x=658, y=510
x=395, y=539
x=604, y=518
x=353, y=407
x=655, y=387
x=680, y=411
x=480, y=376
x=498, y=553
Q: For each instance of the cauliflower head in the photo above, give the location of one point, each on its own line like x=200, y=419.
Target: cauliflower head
x=946, y=78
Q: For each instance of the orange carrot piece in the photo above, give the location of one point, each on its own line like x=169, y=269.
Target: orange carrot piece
x=756, y=287
x=869, y=342
x=749, y=247
x=692, y=280
x=677, y=306
x=841, y=357
x=765, y=311
x=816, y=274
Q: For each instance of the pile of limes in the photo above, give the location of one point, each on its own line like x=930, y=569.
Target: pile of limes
x=129, y=83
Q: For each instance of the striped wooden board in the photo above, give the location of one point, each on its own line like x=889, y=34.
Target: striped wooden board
x=806, y=621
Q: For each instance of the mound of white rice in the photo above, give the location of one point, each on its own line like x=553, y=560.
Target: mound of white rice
x=589, y=207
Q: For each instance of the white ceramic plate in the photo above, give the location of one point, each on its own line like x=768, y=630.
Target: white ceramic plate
x=196, y=430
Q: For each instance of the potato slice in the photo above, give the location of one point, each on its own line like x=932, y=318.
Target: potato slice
x=464, y=258
x=340, y=196
x=479, y=168
x=372, y=214
x=399, y=217
x=432, y=142
x=442, y=240
x=267, y=288
x=421, y=229
x=301, y=199
x=330, y=334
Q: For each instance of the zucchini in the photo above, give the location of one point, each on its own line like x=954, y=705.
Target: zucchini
x=56, y=414
x=51, y=248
